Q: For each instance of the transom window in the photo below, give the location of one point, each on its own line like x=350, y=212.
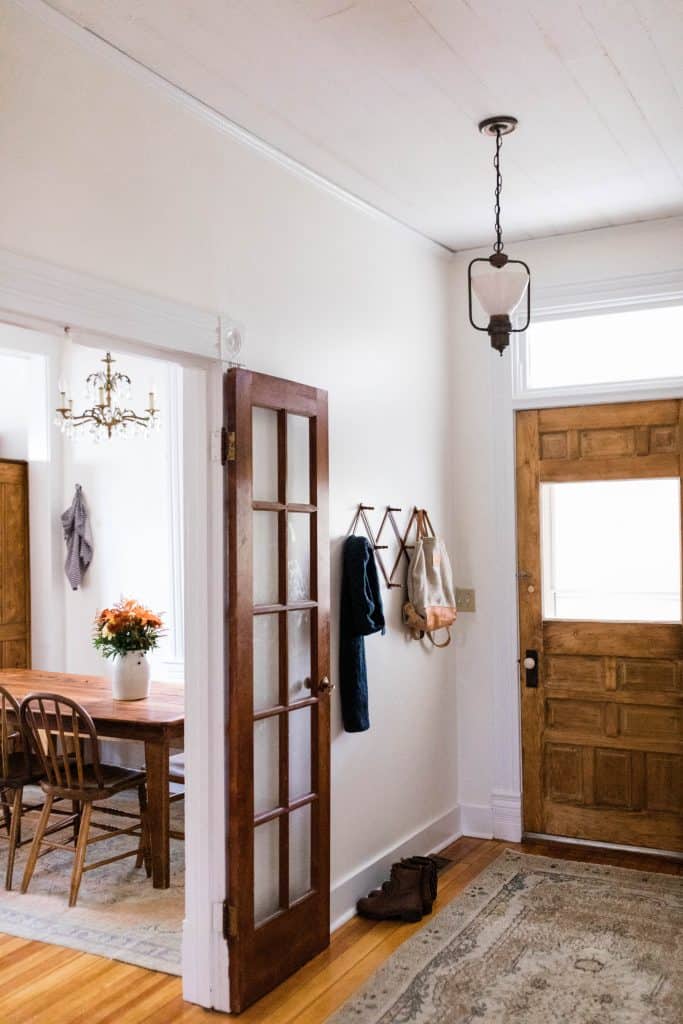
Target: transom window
x=625, y=347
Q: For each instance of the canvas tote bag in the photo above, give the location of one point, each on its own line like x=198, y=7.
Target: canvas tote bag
x=431, y=596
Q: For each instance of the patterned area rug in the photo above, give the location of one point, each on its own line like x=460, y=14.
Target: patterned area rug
x=535, y=941
x=118, y=915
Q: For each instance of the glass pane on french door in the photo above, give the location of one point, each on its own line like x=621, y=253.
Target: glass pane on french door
x=298, y=460
x=284, y=703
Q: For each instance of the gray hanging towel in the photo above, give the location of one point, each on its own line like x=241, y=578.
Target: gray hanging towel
x=78, y=540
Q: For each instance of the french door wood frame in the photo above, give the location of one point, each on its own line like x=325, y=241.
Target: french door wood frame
x=264, y=952
x=602, y=701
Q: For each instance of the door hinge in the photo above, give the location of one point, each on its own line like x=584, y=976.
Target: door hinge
x=229, y=920
x=227, y=446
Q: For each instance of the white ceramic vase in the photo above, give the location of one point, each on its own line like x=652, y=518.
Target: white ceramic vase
x=130, y=676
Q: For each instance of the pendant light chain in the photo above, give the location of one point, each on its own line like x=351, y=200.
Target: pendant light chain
x=498, y=246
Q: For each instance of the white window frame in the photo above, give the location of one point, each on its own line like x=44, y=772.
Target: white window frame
x=617, y=295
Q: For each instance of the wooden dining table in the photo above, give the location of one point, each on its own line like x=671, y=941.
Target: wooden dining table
x=158, y=721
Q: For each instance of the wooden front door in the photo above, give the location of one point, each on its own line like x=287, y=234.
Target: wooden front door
x=15, y=591
x=279, y=703
x=599, y=566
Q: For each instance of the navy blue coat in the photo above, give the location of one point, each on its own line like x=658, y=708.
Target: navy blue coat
x=361, y=615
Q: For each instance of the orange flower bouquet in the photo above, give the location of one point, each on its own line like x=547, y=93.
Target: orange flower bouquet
x=126, y=627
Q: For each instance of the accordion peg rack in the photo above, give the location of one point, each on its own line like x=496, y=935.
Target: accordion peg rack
x=403, y=539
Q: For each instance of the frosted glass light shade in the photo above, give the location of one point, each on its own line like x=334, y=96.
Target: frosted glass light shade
x=500, y=290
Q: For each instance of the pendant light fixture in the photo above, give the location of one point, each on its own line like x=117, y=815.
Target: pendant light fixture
x=500, y=283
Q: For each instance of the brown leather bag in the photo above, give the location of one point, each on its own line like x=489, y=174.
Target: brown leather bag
x=431, y=596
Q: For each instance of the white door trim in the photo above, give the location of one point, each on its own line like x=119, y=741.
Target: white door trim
x=48, y=298
x=506, y=398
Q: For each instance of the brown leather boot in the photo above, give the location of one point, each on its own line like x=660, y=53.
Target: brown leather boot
x=428, y=881
x=400, y=897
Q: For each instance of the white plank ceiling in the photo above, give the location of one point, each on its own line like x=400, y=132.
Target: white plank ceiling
x=382, y=97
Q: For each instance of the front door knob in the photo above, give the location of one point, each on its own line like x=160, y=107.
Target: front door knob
x=530, y=664
x=325, y=685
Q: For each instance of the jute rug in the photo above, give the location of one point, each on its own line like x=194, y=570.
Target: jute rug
x=538, y=941
x=118, y=915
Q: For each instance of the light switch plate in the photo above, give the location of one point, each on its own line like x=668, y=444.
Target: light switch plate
x=465, y=600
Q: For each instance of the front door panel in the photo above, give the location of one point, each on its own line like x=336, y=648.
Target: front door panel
x=599, y=553
x=279, y=721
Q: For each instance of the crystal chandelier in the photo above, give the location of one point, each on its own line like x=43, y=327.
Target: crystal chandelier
x=499, y=283
x=106, y=417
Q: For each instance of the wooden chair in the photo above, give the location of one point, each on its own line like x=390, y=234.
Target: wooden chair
x=176, y=773
x=64, y=738
x=17, y=770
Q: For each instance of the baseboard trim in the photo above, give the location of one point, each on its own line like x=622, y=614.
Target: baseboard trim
x=507, y=816
x=433, y=837
x=476, y=820
x=501, y=819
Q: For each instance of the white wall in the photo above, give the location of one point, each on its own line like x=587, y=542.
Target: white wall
x=102, y=173
x=479, y=380
x=125, y=485
x=29, y=369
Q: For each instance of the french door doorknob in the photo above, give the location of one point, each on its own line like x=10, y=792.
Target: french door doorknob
x=325, y=685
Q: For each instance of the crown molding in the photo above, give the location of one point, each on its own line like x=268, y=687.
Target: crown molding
x=102, y=48
x=630, y=291
x=38, y=291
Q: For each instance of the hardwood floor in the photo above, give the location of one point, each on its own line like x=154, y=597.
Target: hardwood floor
x=43, y=984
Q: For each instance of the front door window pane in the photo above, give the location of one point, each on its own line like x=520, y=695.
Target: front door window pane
x=611, y=550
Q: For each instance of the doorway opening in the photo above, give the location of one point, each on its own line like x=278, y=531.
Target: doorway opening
x=132, y=490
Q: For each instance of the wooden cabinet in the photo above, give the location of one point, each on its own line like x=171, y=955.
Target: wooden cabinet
x=15, y=592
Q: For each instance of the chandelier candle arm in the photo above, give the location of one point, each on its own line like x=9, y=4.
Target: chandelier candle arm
x=501, y=284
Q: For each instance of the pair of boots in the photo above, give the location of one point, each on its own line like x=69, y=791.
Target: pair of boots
x=409, y=893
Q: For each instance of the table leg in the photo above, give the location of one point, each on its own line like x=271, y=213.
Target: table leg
x=156, y=760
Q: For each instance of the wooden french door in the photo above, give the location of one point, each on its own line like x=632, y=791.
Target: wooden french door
x=279, y=703
x=599, y=567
